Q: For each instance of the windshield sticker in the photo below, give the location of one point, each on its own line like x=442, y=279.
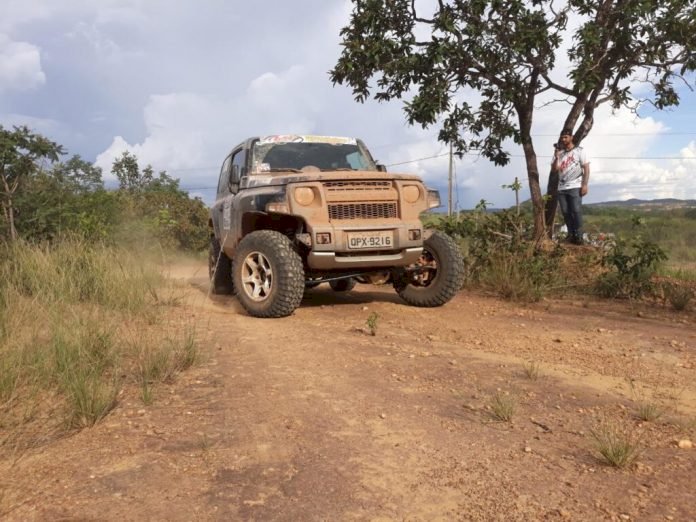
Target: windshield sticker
x=263, y=167
x=260, y=180
x=296, y=138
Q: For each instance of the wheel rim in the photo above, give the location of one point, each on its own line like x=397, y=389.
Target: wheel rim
x=257, y=277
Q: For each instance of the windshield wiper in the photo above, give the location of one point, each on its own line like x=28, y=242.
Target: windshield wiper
x=283, y=169
x=331, y=170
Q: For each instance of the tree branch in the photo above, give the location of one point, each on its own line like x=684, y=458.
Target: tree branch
x=553, y=85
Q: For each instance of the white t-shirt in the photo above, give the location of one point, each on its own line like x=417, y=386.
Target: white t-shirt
x=570, y=165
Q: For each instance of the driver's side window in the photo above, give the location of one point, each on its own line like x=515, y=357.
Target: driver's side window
x=223, y=184
x=238, y=161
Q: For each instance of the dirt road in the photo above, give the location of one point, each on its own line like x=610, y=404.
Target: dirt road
x=312, y=418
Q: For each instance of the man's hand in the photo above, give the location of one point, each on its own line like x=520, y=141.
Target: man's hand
x=583, y=190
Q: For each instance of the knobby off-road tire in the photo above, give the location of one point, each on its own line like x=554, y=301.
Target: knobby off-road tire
x=219, y=269
x=342, y=285
x=439, y=252
x=268, y=274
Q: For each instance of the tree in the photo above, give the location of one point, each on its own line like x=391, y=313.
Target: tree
x=506, y=52
x=131, y=178
x=67, y=198
x=155, y=205
x=78, y=174
x=515, y=186
x=21, y=155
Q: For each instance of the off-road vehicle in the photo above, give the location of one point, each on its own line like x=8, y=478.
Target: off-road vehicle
x=293, y=212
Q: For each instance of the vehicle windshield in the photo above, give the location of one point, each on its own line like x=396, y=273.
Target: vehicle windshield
x=283, y=153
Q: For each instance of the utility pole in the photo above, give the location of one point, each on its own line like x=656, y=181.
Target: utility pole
x=449, y=184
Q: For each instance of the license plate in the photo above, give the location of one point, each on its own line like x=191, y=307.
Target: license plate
x=377, y=239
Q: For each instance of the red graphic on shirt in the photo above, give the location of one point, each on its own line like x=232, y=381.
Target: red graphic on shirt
x=566, y=162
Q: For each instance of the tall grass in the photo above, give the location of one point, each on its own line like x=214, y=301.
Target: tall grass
x=70, y=314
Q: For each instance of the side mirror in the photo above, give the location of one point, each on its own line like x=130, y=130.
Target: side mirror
x=381, y=168
x=234, y=179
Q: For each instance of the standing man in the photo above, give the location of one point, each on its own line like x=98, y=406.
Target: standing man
x=573, y=169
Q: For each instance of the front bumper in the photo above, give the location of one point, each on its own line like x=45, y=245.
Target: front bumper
x=337, y=254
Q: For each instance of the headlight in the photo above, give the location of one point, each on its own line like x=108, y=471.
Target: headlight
x=433, y=198
x=304, y=196
x=411, y=193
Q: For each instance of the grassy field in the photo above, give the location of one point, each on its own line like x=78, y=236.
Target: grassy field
x=674, y=230
x=79, y=324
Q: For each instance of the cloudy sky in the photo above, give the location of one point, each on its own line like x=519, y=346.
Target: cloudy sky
x=180, y=83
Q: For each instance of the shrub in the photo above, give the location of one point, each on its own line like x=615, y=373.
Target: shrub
x=631, y=265
x=499, y=253
x=679, y=296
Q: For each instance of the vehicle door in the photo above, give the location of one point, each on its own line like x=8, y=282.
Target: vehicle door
x=230, y=223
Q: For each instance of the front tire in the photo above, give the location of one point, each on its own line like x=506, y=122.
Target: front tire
x=268, y=274
x=440, y=276
x=219, y=269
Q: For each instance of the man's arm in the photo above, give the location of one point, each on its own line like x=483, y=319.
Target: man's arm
x=585, y=179
x=554, y=161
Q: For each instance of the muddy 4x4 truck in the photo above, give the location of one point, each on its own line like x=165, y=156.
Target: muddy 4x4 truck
x=293, y=212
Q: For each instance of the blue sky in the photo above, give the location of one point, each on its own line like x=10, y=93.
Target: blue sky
x=180, y=83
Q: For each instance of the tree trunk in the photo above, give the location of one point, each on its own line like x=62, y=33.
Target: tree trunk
x=10, y=219
x=8, y=208
x=535, y=189
x=551, y=203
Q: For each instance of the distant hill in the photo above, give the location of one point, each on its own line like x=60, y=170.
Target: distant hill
x=666, y=203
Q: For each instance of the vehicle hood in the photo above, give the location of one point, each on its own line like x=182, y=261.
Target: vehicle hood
x=280, y=178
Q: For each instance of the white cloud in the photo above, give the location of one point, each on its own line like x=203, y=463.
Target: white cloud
x=180, y=86
x=180, y=129
x=20, y=65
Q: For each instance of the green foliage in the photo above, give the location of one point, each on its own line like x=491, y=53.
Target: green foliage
x=45, y=204
x=671, y=229
x=500, y=253
x=631, y=264
x=22, y=154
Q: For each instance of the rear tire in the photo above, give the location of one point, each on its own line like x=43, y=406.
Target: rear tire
x=268, y=274
x=219, y=269
x=342, y=285
x=442, y=278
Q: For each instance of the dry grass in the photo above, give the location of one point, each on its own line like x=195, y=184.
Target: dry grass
x=616, y=444
x=532, y=370
x=70, y=317
x=502, y=407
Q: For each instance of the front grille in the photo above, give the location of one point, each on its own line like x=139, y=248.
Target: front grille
x=356, y=186
x=380, y=210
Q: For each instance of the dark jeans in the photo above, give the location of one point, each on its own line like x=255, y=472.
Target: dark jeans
x=570, y=201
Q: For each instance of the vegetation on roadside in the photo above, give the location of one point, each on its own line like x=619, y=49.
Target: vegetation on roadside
x=79, y=323
x=44, y=199
x=502, y=257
